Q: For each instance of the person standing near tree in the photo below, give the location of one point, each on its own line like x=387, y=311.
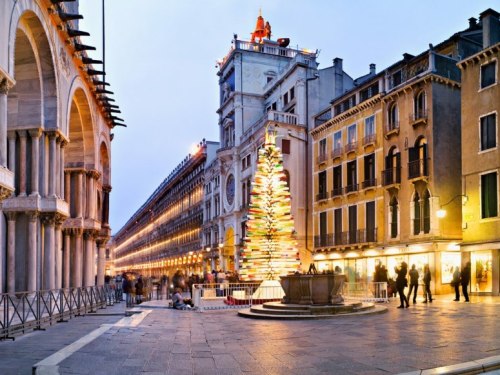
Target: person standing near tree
x=464, y=280
x=413, y=283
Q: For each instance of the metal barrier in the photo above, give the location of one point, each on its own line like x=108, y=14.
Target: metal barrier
x=366, y=291
x=233, y=295
x=23, y=311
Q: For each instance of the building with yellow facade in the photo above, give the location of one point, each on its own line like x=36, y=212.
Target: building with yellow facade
x=481, y=158
x=386, y=159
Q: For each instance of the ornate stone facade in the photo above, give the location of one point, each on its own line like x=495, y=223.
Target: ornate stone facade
x=54, y=152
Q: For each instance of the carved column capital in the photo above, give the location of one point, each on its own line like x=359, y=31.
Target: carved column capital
x=78, y=232
x=48, y=219
x=11, y=216
x=89, y=234
x=106, y=188
x=52, y=134
x=5, y=193
x=93, y=173
x=35, y=133
x=59, y=220
x=5, y=85
x=22, y=133
x=32, y=215
x=11, y=134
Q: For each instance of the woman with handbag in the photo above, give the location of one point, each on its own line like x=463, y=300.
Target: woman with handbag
x=401, y=284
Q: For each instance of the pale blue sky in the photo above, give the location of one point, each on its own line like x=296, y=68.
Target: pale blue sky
x=161, y=54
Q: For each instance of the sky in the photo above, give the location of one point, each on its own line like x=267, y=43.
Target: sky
x=161, y=54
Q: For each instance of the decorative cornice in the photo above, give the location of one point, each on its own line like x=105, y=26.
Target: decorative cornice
x=480, y=56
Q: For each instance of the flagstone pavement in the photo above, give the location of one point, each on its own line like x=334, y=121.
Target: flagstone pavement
x=166, y=341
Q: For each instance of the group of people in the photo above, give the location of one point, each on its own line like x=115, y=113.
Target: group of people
x=459, y=278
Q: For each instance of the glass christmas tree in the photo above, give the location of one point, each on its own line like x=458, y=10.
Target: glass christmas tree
x=270, y=249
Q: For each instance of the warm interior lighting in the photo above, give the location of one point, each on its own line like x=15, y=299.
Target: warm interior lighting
x=441, y=213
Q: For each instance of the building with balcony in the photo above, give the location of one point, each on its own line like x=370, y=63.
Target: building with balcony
x=481, y=159
x=264, y=84
x=55, y=150
x=164, y=235
x=386, y=157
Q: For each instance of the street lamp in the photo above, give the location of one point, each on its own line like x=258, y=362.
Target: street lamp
x=441, y=213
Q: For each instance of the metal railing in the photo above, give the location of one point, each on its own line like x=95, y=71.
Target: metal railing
x=366, y=292
x=24, y=311
x=234, y=295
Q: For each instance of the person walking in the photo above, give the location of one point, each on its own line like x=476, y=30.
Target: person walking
x=464, y=280
x=427, y=284
x=413, y=283
x=455, y=282
x=139, y=288
x=401, y=284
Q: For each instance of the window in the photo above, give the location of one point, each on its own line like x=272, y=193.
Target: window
x=489, y=195
x=322, y=229
x=352, y=181
x=322, y=147
x=426, y=211
x=416, y=214
x=353, y=224
x=370, y=179
x=392, y=116
x=337, y=143
x=208, y=210
x=322, y=185
x=419, y=106
x=285, y=146
x=337, y=181
x=370, y=221
x=292, y=93
x=246, y=162
x=368, y=92
x=394, y=217
x=337, y=216
x=396, y=78
x=417, y=166
x=488, y=132
x=285, y=98
x=217, y=205
x=351, y=141
x=369, y=126
x=488, y=73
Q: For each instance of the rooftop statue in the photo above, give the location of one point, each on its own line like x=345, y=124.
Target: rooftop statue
x=262, y=30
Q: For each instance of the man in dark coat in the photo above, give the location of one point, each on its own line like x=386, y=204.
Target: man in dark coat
x=465, y=280
x=401, y=284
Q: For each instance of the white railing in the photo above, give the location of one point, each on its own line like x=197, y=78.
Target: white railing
x=366, y=291
x=233, y=295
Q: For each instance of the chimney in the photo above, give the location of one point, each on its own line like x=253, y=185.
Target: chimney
x=338, y=76
x=472, y=22
x=372, y=68
x=491, y=27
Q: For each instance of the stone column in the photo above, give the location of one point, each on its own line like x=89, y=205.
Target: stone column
x=11, y=252
x=62, y=188
x=79, y=194
x=22, y=164
x=101, y=262
x=87, y=259
x=67, y=186
x=76, y=273
x=58, y=167
x=4, y=90
x=58, y=249
x=35, y=160
x=32, y=256
x=66, y=258
x=49, y=259
x=12, y=150
x=90, y=195
x=301, y=93
x=52, y=164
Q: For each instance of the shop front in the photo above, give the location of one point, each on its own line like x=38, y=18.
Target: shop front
x=359, y=266
x=485, y=264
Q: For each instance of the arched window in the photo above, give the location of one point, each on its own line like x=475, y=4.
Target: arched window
x=417, y=166
x=419, y=105
x=392, y=172
x=394, y=217
x=426, y=207
x=416, y=214
x=393, y=117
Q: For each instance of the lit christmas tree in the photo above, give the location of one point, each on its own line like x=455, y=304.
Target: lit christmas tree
x=270, y=249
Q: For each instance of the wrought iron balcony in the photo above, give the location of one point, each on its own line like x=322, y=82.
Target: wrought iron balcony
x=351, y=188
x=322, y=157
x=370, y=139
x=419, y=117
x=337, y=152
x=322, y=196
x=391, y=176
x=336, y=192
x=351, y=146
x=369, y=183
x=391, y=128
x=418, y=168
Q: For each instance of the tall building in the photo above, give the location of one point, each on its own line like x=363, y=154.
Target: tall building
x=481, y=157
x=164, y=235
x=55, y=151
x=386, y=162
x=264, y=83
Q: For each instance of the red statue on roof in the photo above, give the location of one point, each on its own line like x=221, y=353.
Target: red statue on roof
x=262, y=30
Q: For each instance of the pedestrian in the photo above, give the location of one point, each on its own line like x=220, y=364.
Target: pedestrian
x=179, y=303
x=401, y=284
x=427, y=284
x=127, y=289
x=455, y=282
x=139, y=288
x=413, y=283
x=464, y=280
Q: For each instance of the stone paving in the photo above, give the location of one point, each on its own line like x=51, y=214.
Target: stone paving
x=219, y=342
